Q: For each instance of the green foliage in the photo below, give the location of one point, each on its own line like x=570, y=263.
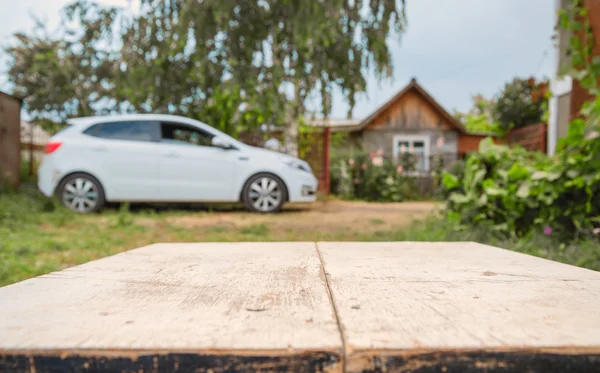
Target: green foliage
x=512, y=191
x=585, y=67
x=584, y=252
x=69, y=75
x=480, y=118
x=37, y=237
x=370, y=177
x=517, y=105
x=19, y=209
x=482, y=124
x=124, y=217
x=515, y=193
x=228, y=112
x=174, y=56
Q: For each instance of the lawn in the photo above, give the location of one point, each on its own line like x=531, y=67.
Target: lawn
x=37, y=237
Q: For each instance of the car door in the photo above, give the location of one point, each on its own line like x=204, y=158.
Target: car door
x=125, y=155
x=191, y=169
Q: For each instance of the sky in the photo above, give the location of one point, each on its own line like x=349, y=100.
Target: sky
x=454, y=49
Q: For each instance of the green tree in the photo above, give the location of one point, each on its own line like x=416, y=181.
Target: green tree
x=480, y=118
x=278, y=51
x=229, y=112
x=175, y=55
x=68, y=75
x=518, y=106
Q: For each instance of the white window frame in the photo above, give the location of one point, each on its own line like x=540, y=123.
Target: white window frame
x=412, y=138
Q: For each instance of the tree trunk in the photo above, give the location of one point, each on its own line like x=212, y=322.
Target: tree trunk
x=291, y=132
x=290, y=136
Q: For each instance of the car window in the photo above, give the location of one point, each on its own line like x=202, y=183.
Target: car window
x=180, y=134
x=132, y=131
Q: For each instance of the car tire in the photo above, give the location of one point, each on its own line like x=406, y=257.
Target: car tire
x=81, y=193
x=264, y=193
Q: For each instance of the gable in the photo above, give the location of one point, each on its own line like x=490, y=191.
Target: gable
x=411, y=110
x=412, y=107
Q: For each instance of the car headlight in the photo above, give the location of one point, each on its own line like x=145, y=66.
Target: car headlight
x=296, y=163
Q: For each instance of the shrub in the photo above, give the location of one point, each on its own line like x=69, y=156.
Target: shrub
x=512, y=191
x=370, y=177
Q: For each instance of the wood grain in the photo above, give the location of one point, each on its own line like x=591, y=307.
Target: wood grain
x=411, y=111
x=402, y=303
x=279, y=307
x=245, y=300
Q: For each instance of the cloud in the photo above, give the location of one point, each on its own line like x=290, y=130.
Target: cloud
x=461, y=47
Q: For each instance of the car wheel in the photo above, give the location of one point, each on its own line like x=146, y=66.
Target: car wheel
x=81, y=193
x=264, y=193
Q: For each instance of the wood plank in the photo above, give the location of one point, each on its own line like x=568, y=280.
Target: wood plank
x=171, y=307
x=454, y=307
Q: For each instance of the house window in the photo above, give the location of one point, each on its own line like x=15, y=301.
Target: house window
x=417, y=145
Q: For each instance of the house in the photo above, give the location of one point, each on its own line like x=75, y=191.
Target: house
x=411, y=121
x=10, y=155
x=568, y=95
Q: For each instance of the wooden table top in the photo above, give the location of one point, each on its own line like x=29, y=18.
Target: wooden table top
x=305, y=307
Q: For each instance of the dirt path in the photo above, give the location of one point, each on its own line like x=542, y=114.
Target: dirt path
x=323, y=216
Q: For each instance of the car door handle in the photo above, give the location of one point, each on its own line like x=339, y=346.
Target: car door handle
x=100, y=149
x=172, y=155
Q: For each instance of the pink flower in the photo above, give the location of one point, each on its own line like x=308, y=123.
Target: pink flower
x=364, y=166
x=355, y=181
x=351, y=162
x=372, y=155
x=596, y=231
x=548, y=230
x=380, y=152
x=440, y=142
x=377, y=161
x=399, y=169
x=402, y=148
x=411, y=149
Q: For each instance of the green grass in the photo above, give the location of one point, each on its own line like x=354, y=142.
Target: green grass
x=37, y=236
x=377, y=221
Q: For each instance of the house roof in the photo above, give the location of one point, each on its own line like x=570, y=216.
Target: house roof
x=358, y=125
x=413, y=85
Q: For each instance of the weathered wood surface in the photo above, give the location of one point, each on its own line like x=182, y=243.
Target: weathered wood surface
x=279, y=307
x=227, y=307
x=414, y=307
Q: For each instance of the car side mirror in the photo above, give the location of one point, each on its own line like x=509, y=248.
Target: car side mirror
x=222, y=143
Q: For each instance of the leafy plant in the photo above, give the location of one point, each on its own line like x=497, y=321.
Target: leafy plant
x=518, y=193
x=512, y=191
x=480, y=118
x=228, y=111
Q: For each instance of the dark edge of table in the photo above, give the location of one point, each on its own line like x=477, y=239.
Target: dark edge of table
x=476, y=362
x=169, y=362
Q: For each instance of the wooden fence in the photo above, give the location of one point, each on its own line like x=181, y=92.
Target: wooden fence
x=532, y=137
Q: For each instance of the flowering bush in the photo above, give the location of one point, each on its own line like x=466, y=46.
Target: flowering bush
x=371, y=177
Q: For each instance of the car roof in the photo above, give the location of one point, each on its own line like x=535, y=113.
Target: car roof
x=88, y=121
x=84, y=121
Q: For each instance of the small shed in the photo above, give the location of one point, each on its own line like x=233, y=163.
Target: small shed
x=10, y=140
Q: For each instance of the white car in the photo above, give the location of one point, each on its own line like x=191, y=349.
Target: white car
x=166, y=158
